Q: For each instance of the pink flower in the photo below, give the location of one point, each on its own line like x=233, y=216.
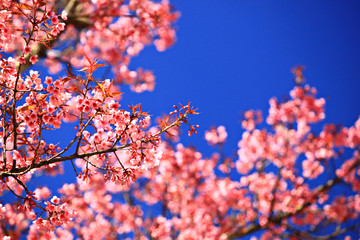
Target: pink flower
x=64, y=15
x=48, y=80
x=21, y=60
x=32, y=216
x=55, y=200
x=27, y=50
x=216, y=135
x=60, y=26
x=55, y=20
x=34, y=59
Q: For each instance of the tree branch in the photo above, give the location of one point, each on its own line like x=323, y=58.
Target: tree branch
x=281, y=216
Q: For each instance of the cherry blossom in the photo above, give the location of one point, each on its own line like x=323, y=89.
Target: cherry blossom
x=131, y=183
x=216, y=135
x=32, y=105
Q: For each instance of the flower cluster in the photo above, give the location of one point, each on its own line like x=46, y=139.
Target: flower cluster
x=280, y=183
x=189, y=198
x=108, y=144
x=216, y=135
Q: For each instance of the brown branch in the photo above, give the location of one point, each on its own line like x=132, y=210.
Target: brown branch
x=27, y=192
x=281, y=216
x=306, y=235
x=75, y=18
x=273, y=192
x=19, y=67
x=58, y=159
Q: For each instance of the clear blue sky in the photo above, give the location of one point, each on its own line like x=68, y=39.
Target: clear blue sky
x=234, y=55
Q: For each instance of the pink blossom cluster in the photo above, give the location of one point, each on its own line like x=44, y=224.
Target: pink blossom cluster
x=216, y=135
x=59, y=214
x=195, y=201
x=114, y=32
x=42, y=24
x=6, y=36
x=280, y=183
x=251, y=119
x=110, y=145
x=111, y=31
x=303, y=108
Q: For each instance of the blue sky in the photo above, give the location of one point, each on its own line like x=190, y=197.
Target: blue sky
x=234, y=55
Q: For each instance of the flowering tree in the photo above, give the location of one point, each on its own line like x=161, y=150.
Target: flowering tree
x=31, y=106
x=132, y=184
